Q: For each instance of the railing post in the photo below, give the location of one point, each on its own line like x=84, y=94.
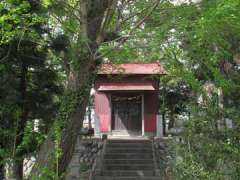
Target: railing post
x=159, y=126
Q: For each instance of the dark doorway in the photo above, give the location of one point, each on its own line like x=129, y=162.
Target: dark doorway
x=126, y=112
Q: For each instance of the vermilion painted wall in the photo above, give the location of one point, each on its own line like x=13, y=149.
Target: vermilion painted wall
x=102, y=110
x=102, y=101
x=150, y=110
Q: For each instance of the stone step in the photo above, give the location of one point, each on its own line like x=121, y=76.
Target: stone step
x=128, y=156
x=128, y=161
x=136, y=173
x=128, y=145
x=128, y=167
x=129, y=141
x=126, y=178
x=128, y=150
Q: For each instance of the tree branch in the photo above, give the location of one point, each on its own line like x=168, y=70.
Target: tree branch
x=7, y=55
x=72, y=9
x=61, y=22
x=125, y=38
x=84, y=19
x=106, y=20
x=132, y=16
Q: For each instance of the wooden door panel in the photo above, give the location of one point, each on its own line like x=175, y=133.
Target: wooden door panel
x=134, y=119
x=121, y=116
x=126, y=114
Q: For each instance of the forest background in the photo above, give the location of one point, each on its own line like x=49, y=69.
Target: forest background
x=50, y=52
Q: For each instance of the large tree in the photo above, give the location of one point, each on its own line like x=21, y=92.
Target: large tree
x=88, y=25
x=28, y=82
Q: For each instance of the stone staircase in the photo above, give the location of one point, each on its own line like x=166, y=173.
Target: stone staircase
x=127, y=160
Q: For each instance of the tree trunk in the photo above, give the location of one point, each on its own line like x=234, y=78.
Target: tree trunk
x=2, y=170
x=83, y=83
x=171, y=119
x=80, y=79
x=164, y=123
x=77, y=82
x=89, y=118
x=89, y=114
x=18, y=169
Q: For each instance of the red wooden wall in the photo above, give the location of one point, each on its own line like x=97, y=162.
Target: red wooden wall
x=102, y=100
x=102, y=110
x=150, y=110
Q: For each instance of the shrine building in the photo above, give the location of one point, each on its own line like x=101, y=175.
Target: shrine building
x=126, y=98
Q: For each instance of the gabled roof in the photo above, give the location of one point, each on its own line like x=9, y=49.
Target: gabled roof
x=132, y=68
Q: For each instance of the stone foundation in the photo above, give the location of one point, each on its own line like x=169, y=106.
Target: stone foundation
x=84, y=157
x=164, y=156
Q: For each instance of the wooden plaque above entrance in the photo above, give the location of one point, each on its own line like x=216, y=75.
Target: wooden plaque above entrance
x=144, y=86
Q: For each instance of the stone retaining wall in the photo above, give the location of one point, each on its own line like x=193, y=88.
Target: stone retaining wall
x=164, y=156
x=85, y=155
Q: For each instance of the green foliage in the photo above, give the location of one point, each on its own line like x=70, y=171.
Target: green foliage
x=196, y=42
x=188, y=169
x=16, y=20
x=207, y=152
x=208, y=33
x=31, y=140
x=29, y=82
x=71, y=101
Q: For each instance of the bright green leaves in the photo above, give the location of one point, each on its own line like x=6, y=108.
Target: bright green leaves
x=191, y=170
x=16, y=17
x=46, y=3
x=199, y=42
x=65, y=16
x=207, y=33
x=219, y=21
